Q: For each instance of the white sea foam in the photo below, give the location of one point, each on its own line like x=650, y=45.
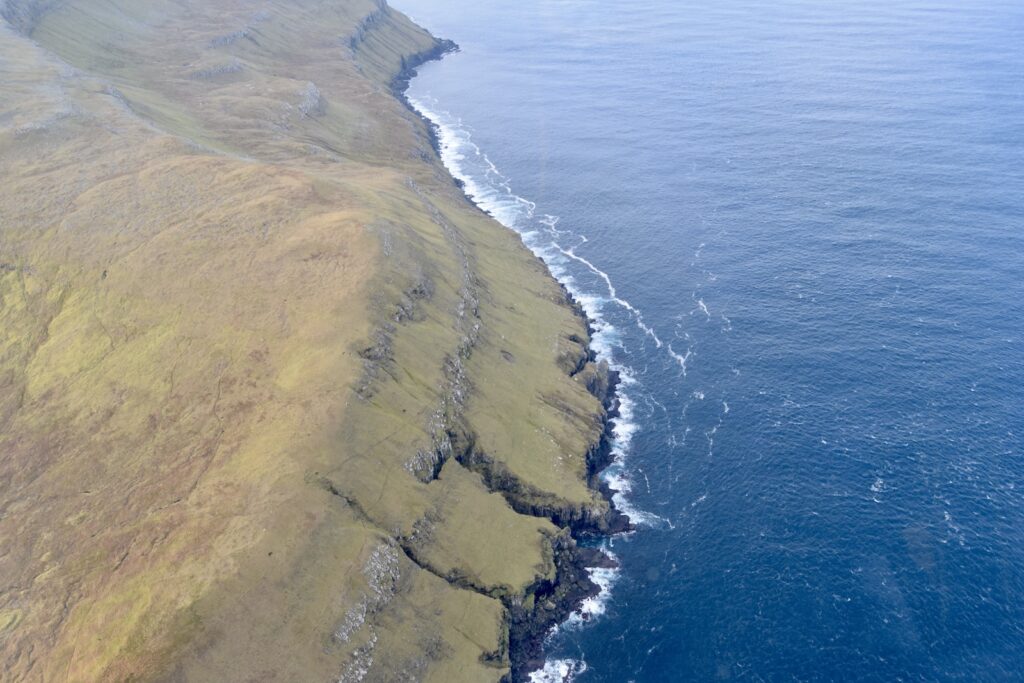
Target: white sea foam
x=710, y=435
x=703, y=308
x=559, y=671
x=624, y=426
x=614, y=296
x=681, y=359
x=565, y=670
x=551, y=222
x=595, y=606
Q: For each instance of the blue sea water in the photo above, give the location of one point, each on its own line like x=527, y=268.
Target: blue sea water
x=800, y=228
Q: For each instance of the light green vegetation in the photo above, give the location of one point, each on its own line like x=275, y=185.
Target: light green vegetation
x=268, y=383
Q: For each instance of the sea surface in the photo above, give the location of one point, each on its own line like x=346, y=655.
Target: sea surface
x=799, y=227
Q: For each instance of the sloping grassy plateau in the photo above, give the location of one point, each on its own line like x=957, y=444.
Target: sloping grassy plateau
x=276, y=403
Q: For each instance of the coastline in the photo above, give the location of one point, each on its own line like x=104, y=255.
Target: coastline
x=395, y=402
x=566, y=596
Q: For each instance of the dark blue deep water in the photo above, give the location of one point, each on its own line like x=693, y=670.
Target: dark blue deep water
x=800, y=226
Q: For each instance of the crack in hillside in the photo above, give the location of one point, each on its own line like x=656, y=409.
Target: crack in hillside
x=445, y=424
x=331, y=488
x=365, y=25
x=453, y=577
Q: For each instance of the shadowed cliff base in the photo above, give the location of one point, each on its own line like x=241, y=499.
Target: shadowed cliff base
x=277, y=403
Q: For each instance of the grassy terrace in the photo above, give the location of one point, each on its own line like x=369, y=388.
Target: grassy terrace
x=276, y=403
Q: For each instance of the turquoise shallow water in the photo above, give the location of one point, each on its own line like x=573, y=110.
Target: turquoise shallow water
x=800, y=228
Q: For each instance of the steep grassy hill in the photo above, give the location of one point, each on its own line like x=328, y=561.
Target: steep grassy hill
x=276, y=403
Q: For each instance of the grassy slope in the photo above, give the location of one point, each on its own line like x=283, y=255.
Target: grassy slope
x=246, y=322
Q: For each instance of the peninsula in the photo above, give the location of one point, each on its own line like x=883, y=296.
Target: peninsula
x=277, y=403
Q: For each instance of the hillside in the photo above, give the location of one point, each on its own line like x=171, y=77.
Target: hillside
x=276, y=402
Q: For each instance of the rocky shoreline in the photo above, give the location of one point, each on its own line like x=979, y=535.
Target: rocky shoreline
x=549, y=603
x=556, y=602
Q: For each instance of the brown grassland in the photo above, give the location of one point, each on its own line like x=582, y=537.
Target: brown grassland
x=271, y=390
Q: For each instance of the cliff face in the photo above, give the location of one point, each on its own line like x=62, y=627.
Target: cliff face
x=276, y=403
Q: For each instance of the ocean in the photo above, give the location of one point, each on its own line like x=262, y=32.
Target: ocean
x=799, y=229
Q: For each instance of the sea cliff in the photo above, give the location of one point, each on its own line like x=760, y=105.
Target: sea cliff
x=277, y=402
